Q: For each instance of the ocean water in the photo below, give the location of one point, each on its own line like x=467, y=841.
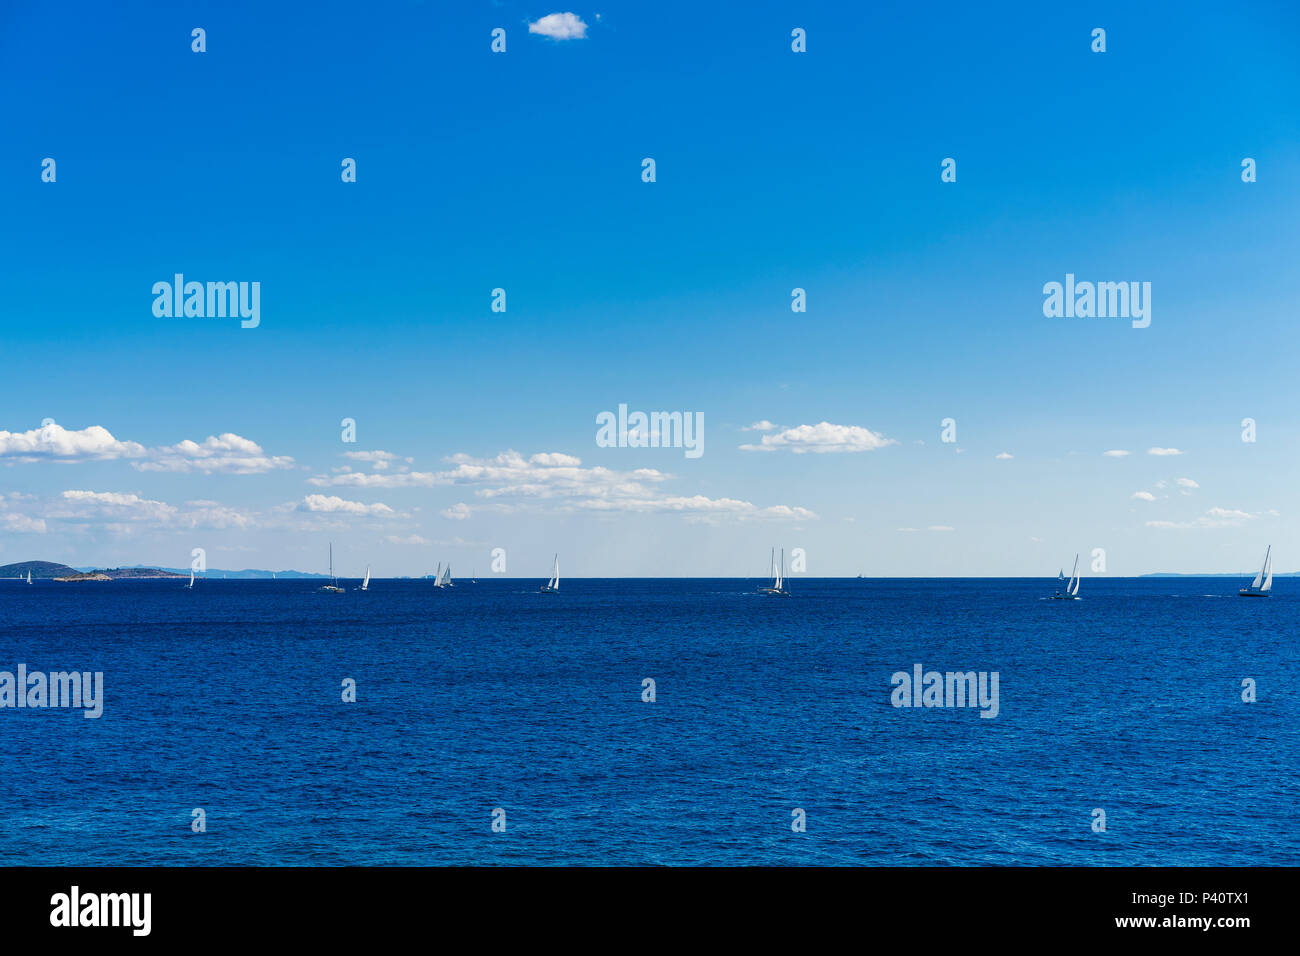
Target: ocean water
x=229, y=698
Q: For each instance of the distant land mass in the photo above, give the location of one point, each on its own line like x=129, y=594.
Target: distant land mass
x=249, y=573
x=48, y=570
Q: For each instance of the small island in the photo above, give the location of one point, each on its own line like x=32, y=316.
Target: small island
x=51, y=571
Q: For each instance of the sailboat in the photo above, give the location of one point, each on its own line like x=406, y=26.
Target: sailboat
x=190, y=586
x=443, y=578
x=778, y=577
x=473, y=576
x=29, y=575
x=333, y=586
x=365, y=585
x=1071, y=592
x=437, y=576
x=1263, y=583
x=553, y=585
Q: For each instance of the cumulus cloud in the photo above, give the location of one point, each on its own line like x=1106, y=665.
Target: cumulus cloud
x=55, y=443
x=560, y=26
x=1187, y=483
x=1144, y=495
x=1163, y=451
x=562, y=479
x=1116, y=453
x=1003, y=456
x=762, y=426
x=822, y=438
x=228, y=453
x=363, y=479
x=332, y=504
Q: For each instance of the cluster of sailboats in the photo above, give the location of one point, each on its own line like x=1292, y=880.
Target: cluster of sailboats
x=1067, y=588
x=1262, y=586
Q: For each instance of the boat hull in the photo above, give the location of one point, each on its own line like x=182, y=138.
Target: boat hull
x=1246, y=592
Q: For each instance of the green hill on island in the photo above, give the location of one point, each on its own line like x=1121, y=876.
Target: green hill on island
x=48, y=570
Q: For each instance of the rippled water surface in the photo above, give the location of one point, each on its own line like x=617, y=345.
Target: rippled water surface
x=228, y=698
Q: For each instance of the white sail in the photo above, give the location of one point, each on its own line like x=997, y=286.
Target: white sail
x=555, y=574
x=1074, y=578
x=191, y=577
x=366, y=583
x=446, y=577
x=780, y=571
x=29, y=575
x=437, y=576
x=1258, y=583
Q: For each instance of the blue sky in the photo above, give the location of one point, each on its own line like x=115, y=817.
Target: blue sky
x=775, y=170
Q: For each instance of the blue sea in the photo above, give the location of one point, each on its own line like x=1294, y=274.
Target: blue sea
x=491, y=696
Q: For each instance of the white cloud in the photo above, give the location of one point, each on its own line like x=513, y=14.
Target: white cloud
x=21, y=524
x=55, y=443
x=1163, y=451
x=560, y=26
x=822, y=437
x=409, y=539
x=555, y=459
x=1144, y=495
x=378, y=460
x=332, y=504
x=554, y=476
x=1214, y=518
x=125, y=511
x=1116, y=453
x=1003, y=456
x=698, y=506
x=1187, y=483
x=225, y=454
x=361, y=479
x=763, y=426
x=121, y=505
x=228, y=453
